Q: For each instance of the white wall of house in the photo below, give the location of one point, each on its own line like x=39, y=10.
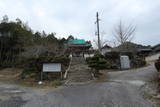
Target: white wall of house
x=88, y=55
x=105, y=50
x=85, y=55
x=152, y=57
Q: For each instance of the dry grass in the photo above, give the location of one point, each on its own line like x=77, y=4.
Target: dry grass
x=12, y=76
x=153, y=90
x=9, y=75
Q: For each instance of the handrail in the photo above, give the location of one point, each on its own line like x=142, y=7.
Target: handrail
x=66, y=72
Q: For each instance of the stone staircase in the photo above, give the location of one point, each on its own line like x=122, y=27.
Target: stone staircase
x=79, y=71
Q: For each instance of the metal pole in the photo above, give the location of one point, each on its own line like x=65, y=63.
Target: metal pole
x=41, y=75
x=40, y=82
x=99, y=44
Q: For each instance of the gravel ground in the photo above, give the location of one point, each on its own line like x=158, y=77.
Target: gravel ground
x=10, y=96
x=123, y=89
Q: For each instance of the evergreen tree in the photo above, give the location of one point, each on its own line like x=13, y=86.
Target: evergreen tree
x=97, y=62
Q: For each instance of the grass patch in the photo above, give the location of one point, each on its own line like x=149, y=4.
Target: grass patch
x=57, y=83
x=13, y=76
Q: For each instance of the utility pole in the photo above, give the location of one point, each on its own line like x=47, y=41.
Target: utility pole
x=98, y=34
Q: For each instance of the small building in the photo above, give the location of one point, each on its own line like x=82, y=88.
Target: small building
x=79, y=47
x=106, y=49
x=144, y=52
x=132, y=47
x=156, y=48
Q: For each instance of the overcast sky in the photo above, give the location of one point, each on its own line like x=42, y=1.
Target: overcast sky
x=77, y=17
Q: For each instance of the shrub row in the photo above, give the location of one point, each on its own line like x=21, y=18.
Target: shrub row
x=34, y=64
x=113, y=59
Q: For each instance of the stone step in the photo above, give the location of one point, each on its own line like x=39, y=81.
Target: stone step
x=79, y=70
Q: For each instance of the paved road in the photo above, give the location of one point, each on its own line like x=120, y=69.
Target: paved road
x=124, y=89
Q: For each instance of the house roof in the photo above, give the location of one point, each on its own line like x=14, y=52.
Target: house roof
x=79, y=42
x=106, y=46
x=130, y=47
x=156, y=47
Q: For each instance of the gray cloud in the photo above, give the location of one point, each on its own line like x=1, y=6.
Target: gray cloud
x=77, y=17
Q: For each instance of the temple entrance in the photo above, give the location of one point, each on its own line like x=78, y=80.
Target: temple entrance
x=78, y=47
x=77, y=54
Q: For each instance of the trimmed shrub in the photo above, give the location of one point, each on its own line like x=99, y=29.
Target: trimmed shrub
x=112, y=55
x=138, y=62
x=97, y=62
x=113, y=59
x=34, y=64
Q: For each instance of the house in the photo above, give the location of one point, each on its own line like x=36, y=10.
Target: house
x=144, y=52
x=105, y=49
x=131, y=47
x=156, y=48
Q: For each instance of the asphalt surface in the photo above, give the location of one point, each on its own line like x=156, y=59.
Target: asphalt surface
x=123, y=89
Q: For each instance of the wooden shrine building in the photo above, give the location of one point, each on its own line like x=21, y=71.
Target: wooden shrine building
x=79, y=47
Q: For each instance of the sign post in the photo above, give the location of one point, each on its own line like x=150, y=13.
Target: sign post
x=51, y=67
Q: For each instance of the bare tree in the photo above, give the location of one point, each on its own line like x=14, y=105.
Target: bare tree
x=124, y=33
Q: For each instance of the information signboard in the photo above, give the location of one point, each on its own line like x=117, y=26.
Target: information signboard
x=51, y=67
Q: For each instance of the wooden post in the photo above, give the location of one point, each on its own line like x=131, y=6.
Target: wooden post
x=41, y=75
